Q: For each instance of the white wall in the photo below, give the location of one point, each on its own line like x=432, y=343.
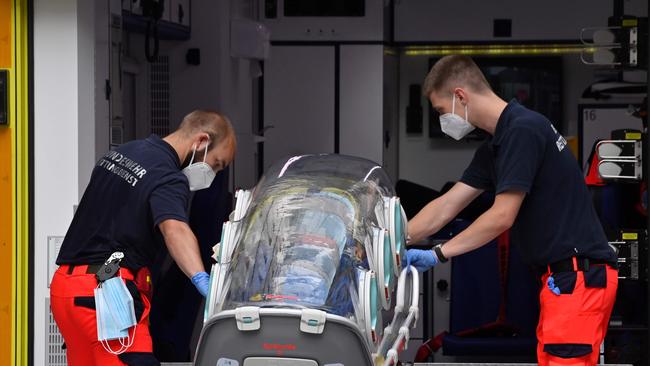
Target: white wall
x=472, y=20
x=56, y=131
x=86, y=90
x=361, y=100
x=391, y=113
x=299, y=102
x=235, y=91
x=192, y=87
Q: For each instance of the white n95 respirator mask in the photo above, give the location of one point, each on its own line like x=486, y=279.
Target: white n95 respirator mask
x=454, y=125
x=200, y=174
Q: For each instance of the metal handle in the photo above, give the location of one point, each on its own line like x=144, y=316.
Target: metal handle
x=582, y=39
x=637, y=149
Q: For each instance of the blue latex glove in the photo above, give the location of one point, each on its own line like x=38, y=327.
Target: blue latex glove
x=201, y=281
x=550, y=282
x=421, y=259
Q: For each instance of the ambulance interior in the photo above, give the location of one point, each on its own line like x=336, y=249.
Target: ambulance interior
x=304, y=233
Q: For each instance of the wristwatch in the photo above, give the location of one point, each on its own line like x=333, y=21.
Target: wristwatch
x=438, y=251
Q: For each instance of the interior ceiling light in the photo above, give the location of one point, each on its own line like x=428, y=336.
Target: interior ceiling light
x=497, y=50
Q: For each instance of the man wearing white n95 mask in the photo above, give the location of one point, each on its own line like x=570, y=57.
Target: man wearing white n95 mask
x=136, y=201
x=540, y=194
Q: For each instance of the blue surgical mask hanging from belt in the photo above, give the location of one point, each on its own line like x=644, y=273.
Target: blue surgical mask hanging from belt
x=114, y=307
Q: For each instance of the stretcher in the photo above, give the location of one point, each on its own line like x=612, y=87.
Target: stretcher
x=309, y=270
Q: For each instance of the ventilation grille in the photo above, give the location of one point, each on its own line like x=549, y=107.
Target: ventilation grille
x=159, y=93
x=53, y=246
x=54, y=352
x=117, y=135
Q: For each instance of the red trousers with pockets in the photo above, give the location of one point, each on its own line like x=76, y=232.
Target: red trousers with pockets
x=73, y=307
x=573, y=324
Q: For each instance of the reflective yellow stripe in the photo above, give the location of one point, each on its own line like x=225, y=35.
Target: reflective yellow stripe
x=633, y=135
x=630, y=22
x=20, y=181
x=630, y=236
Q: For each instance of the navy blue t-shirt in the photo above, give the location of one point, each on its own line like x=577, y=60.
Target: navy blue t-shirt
x=131, y=190
x=557, y=219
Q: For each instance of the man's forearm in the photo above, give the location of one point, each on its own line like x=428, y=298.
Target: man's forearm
x=184, y=249
x=487, y=227
x=428, y=221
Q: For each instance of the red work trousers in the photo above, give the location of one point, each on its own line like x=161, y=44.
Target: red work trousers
x=73, y=307
x=573, y=324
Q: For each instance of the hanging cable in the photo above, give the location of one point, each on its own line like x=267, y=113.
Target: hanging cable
x=153, y=9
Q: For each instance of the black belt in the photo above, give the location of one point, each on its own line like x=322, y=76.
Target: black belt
x=92, y=268
x=583, y=264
